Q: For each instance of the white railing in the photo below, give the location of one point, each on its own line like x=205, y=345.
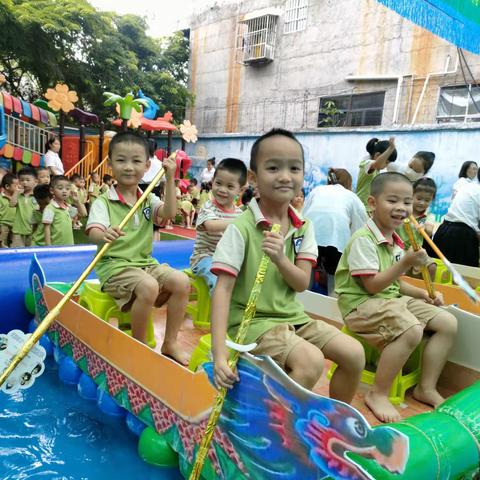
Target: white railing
x=26, y=135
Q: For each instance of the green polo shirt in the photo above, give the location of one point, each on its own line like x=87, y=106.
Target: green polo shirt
x=134, y=249
x=38, y=235
x=59, y=217
x=367, y=253
x=364, y=180
x=239, y=253
x=7, y=213
x=23, y=214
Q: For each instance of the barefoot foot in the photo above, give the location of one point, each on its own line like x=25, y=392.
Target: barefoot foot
x=381, y=407
x=430, y=397
x=175, y=352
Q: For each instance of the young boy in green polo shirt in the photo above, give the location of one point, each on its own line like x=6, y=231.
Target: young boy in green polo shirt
x=57, y=218
x=388, y=312
x=25, y=203
x=128, y=272
x=280, y=327
x=8, y=198
x=43, y=196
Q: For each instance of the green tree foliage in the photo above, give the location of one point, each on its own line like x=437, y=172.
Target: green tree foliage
x=43, y=42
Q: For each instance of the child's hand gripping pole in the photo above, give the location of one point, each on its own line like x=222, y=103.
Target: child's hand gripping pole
x=53, y=314
x=242, y=331
x=457, y=278
x=424, y=269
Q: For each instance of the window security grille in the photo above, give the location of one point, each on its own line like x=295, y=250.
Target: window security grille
x=295, y=16
x=256, y=39
x=459, y=104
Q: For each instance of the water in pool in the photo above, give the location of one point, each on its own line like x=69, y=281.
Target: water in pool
x=49, y=432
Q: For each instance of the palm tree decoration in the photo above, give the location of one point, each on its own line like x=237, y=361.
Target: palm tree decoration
x=126, y=104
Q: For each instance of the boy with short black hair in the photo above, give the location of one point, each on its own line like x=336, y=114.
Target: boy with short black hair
x=215, y=216
x=42, y=196
x=43, y=176
x=7, y=210
x=280, y=326
x=58, y=215
x=24, y=203
x=388, y=312
x=108, y=181
x=128, y=272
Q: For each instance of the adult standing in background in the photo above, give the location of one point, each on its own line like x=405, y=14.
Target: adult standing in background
x=336, y=213
x=468, y=174
x=458, y=236
x=208, y=172
x=155, y=166
x=52, y=159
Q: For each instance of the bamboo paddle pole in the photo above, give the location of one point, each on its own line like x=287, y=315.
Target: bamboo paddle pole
x=457, y=278
x=242, y=331
x=424, y=269
x=53, y=314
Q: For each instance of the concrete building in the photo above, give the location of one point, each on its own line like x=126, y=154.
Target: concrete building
x=256, y=64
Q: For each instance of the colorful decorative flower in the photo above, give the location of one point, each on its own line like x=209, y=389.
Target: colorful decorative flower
x=168, y=116
x=189, y=131
x=61, y=98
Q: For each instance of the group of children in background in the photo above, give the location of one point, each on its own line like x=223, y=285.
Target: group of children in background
x=375, y=303
x=38, y=208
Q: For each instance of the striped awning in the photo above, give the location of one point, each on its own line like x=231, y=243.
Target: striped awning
x=457, y=21
x=27, y=111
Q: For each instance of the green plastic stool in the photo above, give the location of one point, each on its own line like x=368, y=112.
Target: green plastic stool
x=407, y=378
x=442, y=274
x=103, y=305
x=200, y=305
x=201, y=354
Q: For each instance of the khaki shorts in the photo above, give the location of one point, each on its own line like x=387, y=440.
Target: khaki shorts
x=122, y=286
x=5, y=235
x=278, y=342
x=21, y=240
x=380, y=320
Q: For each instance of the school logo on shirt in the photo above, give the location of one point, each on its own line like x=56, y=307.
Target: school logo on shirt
x=147, y=213
x=297, y=243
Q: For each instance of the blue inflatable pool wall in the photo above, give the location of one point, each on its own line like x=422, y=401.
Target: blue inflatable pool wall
x=61, y=264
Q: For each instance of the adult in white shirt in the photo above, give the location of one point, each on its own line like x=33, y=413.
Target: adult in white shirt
x=155, y=166
x=457, y=237
x=468, y=174
x=52, y=159
x=336, y=213
x=207, y=173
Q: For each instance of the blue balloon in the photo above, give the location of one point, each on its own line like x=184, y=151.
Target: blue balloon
x=135, y=425
x=68, y=371
x=108, y=405
x=87, y=388
x=47, y=344
x=32, y=326
x=58, y=354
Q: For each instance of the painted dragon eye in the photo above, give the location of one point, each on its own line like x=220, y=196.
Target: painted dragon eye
x=357, y=427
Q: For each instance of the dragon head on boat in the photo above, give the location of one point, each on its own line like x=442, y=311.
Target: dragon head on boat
x=282, y=431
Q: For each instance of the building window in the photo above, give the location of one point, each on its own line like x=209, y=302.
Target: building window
x=295, y=16
x=360, y=110
x=256, y=36
x=459, y=104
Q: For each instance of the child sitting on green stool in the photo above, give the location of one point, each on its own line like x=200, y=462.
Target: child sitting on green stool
x=128, y=272
x=386, y=311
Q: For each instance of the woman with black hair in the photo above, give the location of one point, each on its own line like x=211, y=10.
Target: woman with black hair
x=468, y=174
